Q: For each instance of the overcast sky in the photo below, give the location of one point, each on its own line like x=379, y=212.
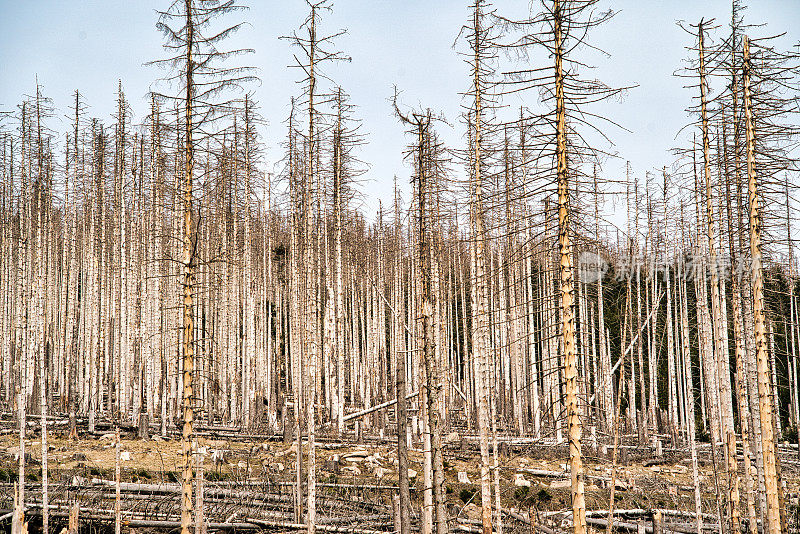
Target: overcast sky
x=89, y=45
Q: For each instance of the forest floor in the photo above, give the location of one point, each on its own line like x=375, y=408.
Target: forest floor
x=534, y=478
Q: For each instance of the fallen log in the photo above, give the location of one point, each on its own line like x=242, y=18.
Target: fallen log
x=619, y=525
x=648, y=512
x=543, y=472
x=145, y=523
x=211, y=492
x=302, y=526
x=377, y=407
x=537, y=526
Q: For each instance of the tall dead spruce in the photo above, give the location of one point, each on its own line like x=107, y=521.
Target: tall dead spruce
x=193, y=39
x=774, y=511
x=315, y=53
x=425, y=153
x=559, y=28
x=480, y=57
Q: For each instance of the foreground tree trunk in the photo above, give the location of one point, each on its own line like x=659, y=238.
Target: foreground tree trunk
x=433, y=387
x=566, y=290
x=401, y=412
x=188, y=287
x=762, y=364
x=480, y=299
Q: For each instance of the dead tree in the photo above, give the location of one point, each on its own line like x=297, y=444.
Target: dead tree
x=315, y=53
x=425, y=152
x=193, y=67
x=479, y=37
x=567, y=307
x=765, y=404
x=559, y=28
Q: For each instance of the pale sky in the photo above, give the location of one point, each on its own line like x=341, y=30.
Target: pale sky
x=89, y=45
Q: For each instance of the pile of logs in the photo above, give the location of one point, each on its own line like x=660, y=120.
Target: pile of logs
x=250, y=506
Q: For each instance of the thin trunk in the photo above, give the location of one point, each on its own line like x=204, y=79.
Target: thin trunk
x=480, y=304
x=566, y=289
x=764, y=401
x=188, y=284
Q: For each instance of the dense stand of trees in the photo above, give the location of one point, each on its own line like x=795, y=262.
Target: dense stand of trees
x=153, y=274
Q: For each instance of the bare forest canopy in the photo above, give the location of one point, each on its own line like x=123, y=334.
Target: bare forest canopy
x=155, y=275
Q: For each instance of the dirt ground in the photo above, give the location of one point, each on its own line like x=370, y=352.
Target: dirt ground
x=533, y=478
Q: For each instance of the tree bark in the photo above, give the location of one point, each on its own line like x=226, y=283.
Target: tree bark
x=566, y=290
x=764, y=401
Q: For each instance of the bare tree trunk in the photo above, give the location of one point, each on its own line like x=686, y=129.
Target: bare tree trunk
x=765, y=404
x=673, y=391
x=432, y=379
x=480, y=307
x=23, y=275
x=72, y=306
x=741, y=355
x=338, y=375
x=309, y=343
x=43, y=407
x=117, y=510
x=617, y=410
x=686, y=352
x=566, y=289
x=200, y=522
x=188, y=285
x=18, y=524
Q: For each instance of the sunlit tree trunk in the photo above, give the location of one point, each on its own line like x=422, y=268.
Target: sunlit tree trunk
x=188, y=284
x=764, y=401
x=567, y=309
